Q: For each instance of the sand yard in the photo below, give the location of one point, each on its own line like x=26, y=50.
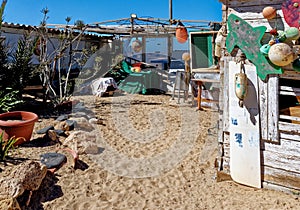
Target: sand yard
x=152, y=154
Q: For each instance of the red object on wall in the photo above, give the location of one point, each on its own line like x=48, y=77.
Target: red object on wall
x=181, y=34
x=290, y=10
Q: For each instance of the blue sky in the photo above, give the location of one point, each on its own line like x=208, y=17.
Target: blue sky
x=90, y=11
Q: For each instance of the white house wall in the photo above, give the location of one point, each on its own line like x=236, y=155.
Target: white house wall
x=280, y=141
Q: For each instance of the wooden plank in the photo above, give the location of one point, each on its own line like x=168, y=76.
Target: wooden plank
x=225, y=95
x=246, y=3
x=291, y=137
x=205, y=70
x=290, y=74
x=34, y=87
x=226, y=151
x=226, y=164
x=263, y=104
x=290, y=89
x=206, y=80
x=253, y=15
x=281, y=160
x=289, y=127
x=281, y=177
x=281, y=188
x=287, y=117
x=226, y=139
x=273, y=108
x=288, y=93
x=286, y=148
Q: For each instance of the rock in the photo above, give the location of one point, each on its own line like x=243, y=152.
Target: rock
x=26, y=176
x=53, y=160
x=72, y=137
x=52, y=135
x=70, y=125
x=62, y=118
x=79, y=105
x=9, y=204
x=83, y=124
x=45, y=130
x=82, y=142
x=89, y=148
x=66, y=125
x=60, y=132
x=80, y=114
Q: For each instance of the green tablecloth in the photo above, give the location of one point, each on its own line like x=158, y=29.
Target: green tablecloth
x=141, y=82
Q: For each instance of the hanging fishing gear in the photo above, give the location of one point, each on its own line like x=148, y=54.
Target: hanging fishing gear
x=240, y=81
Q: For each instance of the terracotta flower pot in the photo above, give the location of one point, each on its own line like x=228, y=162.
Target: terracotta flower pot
x=18, y=124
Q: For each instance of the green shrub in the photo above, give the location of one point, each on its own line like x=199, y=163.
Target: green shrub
x=9, y=100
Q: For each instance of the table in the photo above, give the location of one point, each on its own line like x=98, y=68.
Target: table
x=199, y=83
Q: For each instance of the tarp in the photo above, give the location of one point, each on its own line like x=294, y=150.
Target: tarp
x=134, y=82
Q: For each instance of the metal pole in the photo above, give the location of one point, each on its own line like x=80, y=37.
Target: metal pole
x=171, y=12
x=132, y=27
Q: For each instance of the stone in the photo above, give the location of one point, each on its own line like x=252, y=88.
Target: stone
x=67, y=125
x=83, y=142
x=52, y=135
x=62, y=118
x=9, y=204
x=45, y=129
x=89, y=147
x=26, y=176
x=53, y=160
x=83, y=124
x=60, y=132
x=70, y=125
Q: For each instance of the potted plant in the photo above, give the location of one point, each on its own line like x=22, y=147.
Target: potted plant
x=18, y=124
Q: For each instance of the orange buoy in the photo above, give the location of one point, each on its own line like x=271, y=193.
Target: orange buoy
x=269, y=12
x=181, y=34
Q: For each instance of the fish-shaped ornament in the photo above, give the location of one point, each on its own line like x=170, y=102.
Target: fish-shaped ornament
x=241, y=83
x=247, y=38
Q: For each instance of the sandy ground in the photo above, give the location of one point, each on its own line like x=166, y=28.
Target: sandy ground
x=153, y=154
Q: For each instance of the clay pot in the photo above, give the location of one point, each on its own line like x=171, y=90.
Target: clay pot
x=19, y=124
x=181, y=34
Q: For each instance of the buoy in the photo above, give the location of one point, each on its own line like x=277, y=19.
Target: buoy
x=181, y=34
x=296, y=65
x=269, y=12
x=241, y=85
x=281, y=36
x=292, y=33
x=136, y=46
x=265, y=49
x=281, y=54
x=186, y=56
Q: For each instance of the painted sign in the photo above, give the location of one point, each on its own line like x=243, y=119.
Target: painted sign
x=244, y=130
